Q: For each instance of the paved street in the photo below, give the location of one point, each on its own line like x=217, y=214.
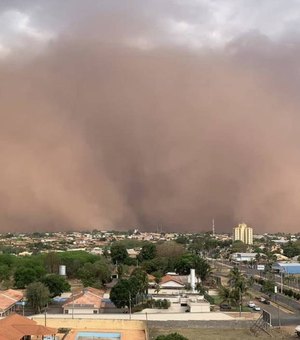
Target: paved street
x=283, y=316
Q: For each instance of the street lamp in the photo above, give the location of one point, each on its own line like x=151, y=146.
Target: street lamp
x=276, y=300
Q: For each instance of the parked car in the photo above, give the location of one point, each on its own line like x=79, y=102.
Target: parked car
x=225, y=306
x=256, y=308
x=297, y=331
x=267, y=302
x=251, y=304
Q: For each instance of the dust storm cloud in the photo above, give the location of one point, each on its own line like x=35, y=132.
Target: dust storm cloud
x=99, y=130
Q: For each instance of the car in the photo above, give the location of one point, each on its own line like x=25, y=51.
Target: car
x=267, y=302
x=262, y=299
x=251, y=304
x=256, y=308
x=225, y=306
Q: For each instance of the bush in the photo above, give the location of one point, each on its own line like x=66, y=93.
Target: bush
x=172, y=336
x=160, y=304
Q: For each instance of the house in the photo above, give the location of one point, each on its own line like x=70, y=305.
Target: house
x=171, y=282
x=8, y=301
x=17, y=327
x=88, y=301
x=151, y=281
x=133, y=253
x=243, y=257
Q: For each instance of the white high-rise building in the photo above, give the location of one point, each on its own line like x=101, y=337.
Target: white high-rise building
x=243, y=233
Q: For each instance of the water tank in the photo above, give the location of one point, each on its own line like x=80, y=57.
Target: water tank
x=62, y=270
x=193, y=279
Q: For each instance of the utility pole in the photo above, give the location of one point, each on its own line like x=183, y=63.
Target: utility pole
x=240, y=295
x=45, y=312
x=213, y=227
x=129, y=306
x=73, y=307
x=278, y=310
x=281, y=282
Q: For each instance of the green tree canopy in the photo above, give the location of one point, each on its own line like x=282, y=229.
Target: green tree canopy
x=239, y=247
x=56, y=284
x=23, y=276
x=95, y=274
x=148, y=252
x=189, y=261
x=37, y=296
x=118, y=253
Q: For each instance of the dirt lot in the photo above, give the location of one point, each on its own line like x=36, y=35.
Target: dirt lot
x=221, y=334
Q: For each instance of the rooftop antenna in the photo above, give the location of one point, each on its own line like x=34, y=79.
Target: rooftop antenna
x=213, y=227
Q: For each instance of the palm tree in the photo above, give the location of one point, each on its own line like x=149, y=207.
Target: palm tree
x=240, y=285
x=235, y=276
x=226, y=295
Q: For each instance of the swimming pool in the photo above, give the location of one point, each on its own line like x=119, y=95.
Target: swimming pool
x=97, y=335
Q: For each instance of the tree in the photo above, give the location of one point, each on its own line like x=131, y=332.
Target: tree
x=291, y=249
x=148, y=252
x=120, y=294
x=201, y=289
x=4, y=272
x=239, y=283
x=268, y=287
x=118, y=253
x=95, y=274
x=172, y=336
x=189, y=261
x=203, y=269
x=37, y=296
x=24, y=276
x=52, y=262
x=226, y=295
x=142, y=278
x=56, y=284
x=239, y=247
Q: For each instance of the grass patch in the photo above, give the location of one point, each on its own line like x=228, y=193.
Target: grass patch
x=215, y=334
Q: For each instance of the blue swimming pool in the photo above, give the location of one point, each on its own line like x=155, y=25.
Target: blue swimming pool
x=97, y=335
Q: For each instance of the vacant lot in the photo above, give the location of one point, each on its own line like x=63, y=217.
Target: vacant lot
x=219, y=334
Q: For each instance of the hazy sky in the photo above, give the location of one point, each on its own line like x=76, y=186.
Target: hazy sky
x=117, y=114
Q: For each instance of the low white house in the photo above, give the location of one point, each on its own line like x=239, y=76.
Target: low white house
x=243, y=257
x=198, y=305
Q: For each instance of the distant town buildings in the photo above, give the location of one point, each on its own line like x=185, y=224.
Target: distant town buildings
x=243, y=233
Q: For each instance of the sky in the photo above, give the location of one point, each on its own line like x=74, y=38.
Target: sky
x=122, y=114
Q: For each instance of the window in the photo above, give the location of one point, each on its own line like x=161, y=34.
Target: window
x=95, y=311
x=66, y=311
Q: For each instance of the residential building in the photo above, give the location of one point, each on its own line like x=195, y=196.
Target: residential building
x=17, y=327
x=8, y=301
x=243, y=233
x=88, y=301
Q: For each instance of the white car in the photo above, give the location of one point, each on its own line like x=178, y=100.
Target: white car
x=256, y=308
x=251, y=304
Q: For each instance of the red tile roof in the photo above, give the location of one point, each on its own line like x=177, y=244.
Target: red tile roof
x=89, y=297
x=15, y=326
x=8, y=298
x=168, y=278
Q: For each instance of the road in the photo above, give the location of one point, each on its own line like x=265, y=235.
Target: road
x=282, y=316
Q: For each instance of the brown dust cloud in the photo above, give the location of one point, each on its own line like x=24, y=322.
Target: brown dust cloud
x=99, y=133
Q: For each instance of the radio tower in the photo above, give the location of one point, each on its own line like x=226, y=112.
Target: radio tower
x=213, y=228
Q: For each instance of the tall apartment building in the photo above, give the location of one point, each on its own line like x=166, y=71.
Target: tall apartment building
x=243, y=233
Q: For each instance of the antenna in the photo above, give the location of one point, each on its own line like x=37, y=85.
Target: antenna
x=213, y=227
